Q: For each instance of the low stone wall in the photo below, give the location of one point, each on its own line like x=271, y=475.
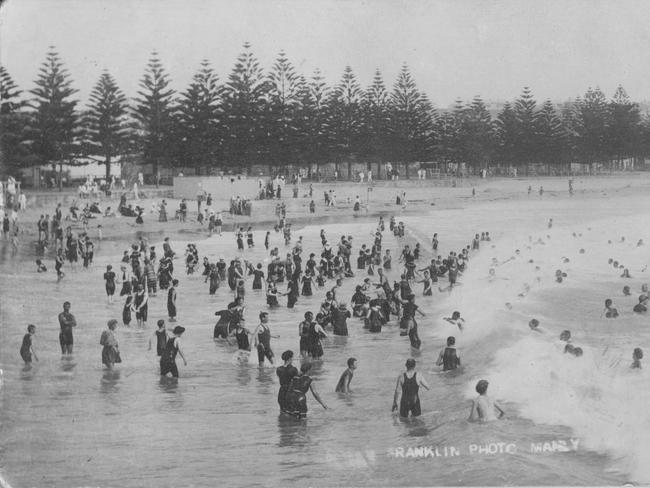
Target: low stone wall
x=221, y=187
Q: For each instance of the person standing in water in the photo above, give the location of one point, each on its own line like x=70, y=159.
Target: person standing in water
x=262, y=337
x=449, y=358
x=407, y=391
x=343, y=386
x=483, y=407
x=161, y=338
x=27, y=348
x=168, y=358
x=171, y=301
x=110, y=351
x=109, y=277
x=285, y=373
x=141, y=305
x=67, y=322
x=637, y=356
x=296, y=397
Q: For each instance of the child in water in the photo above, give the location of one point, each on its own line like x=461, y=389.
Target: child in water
x=456, y=320
x=534, y=325
x=637, y=356
x=483, y=407
x=610, y=311
x=27, y=349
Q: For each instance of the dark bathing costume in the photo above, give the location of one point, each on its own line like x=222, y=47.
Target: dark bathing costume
x=161, y=341
x=285, y=375
x=410, y=401
x=168, y=358
x=25, y=352
x=449, y=359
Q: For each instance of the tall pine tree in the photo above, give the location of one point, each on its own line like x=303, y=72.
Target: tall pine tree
x=623, y=126
x=593, y=113
x=313, y=120
x=105, y=122
x=507, y=132
x=14, y=125
x=154, y=113
x=526, y=144
x=411, y=120
x=346, y=120
x=551, y=136
x=477, y=134
x=56, y=123
x=285, y=87
x=199, y=134
x=376, y=121
x=245, y=112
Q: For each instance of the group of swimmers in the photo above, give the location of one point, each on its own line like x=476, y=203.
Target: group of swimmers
x=139, y=281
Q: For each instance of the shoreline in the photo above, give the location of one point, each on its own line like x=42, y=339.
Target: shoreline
x=422, y=196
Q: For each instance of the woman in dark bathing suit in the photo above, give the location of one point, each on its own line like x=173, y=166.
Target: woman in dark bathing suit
x=296, y=397
x=285, y=373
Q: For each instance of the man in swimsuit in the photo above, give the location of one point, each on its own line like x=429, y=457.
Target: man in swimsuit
x=27, y=348
x=407, y=391
x=449, y=358
x=67, y=322
x=343, y=385
x=483, y=407
x=262, y=338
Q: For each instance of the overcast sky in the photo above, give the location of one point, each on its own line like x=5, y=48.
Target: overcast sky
x=455, y=48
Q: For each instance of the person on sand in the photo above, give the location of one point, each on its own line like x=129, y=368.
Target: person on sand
x=111, y=350
x=449, y=358
x=637, y=356
x=285, y=373
x=610, y=311
x=296, y=397
x=67, y=321
x=27, y=348
x=168, y=358
x=343, y=386
x=626, y=291
x=407, y=391
x=483, y=407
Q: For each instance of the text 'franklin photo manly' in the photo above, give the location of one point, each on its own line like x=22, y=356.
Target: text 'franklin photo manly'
x=327, y=243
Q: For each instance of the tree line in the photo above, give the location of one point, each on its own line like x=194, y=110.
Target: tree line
x=280, y=117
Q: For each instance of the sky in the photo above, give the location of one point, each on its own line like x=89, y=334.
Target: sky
x=454, y=48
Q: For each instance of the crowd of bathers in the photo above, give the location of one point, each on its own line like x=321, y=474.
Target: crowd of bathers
x=376, y=301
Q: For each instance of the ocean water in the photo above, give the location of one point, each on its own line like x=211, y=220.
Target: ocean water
x=570, y=421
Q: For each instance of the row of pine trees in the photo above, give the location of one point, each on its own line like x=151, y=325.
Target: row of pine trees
x=280, y=118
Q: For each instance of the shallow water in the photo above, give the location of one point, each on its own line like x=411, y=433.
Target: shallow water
x=67, y=422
